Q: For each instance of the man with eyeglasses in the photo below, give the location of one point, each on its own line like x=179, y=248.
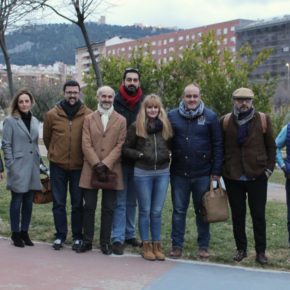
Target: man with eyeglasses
x=197, y=157
x=62, y=136
x=127, y=103
x=249, y=149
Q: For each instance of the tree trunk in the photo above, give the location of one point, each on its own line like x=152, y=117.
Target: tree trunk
x=91, y=53
x=8, y=65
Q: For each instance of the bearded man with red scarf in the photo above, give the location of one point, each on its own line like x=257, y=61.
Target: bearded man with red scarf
x=127, y=103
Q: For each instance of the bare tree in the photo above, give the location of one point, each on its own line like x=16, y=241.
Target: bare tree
x=77, y=12
x=7, y=12
x=11, y=11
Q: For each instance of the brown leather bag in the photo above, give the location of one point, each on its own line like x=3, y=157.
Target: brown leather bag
x=215, y=204
x=109, y=183
x=44, y=195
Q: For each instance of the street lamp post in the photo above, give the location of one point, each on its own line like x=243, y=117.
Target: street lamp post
x=288, y=67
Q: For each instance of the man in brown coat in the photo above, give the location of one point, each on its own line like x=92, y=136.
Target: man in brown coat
x=249, y=161
x=104, y=133
x=62, y=134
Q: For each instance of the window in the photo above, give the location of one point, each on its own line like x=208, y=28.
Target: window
x=171, y=40
x=225, y=30
x=233, y=28
x=233, y=39
x=180, y=38
x=165, y=41
x=219, y=31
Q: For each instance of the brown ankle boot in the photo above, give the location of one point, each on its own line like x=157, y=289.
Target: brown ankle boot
x=146, y=251
x=157, y=251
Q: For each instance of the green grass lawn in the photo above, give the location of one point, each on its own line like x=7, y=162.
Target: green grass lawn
x=222, y=243
x=277, y=177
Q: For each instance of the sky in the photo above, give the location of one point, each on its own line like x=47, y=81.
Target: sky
x=185, y=13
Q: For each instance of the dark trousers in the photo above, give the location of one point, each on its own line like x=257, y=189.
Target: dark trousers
x=256, y=192
x=288, y=205
x=60, y=180
x=107, y=211
x=20, y=211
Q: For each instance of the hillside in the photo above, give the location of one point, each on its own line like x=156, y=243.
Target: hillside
x=46, y=44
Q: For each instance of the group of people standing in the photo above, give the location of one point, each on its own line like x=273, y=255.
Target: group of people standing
x=133, y=137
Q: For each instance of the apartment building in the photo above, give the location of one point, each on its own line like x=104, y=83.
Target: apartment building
x=164, y=46
x=271, y=33
x=42, y=74
x=83, y=60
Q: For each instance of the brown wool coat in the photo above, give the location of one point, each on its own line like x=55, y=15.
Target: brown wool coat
x=62, y=137
x=255, y=156
x=100, y=146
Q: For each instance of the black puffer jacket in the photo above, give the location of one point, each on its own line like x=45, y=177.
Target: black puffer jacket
x=155, y=150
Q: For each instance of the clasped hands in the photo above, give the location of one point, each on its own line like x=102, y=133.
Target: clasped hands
x=101, y=171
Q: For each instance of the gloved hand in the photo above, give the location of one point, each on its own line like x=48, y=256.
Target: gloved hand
x=101, y=170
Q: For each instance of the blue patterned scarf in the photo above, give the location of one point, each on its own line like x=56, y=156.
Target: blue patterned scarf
x=191, y=114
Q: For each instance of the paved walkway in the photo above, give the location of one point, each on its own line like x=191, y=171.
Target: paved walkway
x=42, y=268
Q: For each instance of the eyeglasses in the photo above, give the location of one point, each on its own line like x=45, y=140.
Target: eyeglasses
x=192, y=96
x=134, y=80
x=72, y=93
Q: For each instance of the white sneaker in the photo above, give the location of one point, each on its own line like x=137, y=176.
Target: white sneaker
x=57, y=244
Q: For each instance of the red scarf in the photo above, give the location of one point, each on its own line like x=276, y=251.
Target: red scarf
x=130, y=100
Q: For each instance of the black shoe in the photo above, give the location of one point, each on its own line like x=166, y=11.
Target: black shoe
x=261, y=258
x=118, y=248
x=76, y=244
x=240, y=255
x=106, y=249
x=133, y=242
x=17, y=241
x=84, y=247
x=57, y=244
x=26, y=239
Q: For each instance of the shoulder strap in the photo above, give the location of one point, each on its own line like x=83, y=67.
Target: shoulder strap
x=263, y=121
x=226, y=121
x=262, y=117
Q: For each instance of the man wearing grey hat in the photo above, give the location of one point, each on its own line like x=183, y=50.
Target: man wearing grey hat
x=249, y=150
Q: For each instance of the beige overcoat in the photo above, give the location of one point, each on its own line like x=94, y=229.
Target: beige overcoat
x=99, y=146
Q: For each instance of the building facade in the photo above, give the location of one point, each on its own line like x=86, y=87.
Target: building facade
x=163, y=47
x=269, y=33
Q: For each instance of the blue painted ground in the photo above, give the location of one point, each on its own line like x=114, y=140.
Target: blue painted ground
x=187, y=276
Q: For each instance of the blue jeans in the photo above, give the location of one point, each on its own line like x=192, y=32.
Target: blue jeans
x=181, y=189
x=151, y=194
x=125, y=211
x=60, y=178
x=20, y=211
x=288, y=206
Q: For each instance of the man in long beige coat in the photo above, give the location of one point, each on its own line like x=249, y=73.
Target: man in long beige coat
x=104, y=133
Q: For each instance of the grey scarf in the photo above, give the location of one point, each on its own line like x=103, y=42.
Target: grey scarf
x=191, y=114
x=241, y=120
